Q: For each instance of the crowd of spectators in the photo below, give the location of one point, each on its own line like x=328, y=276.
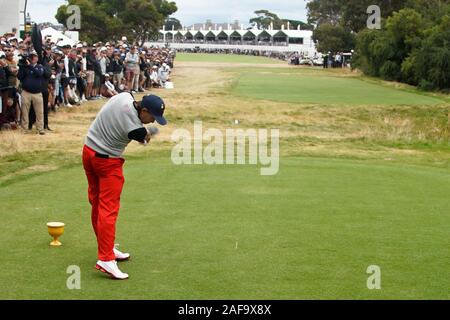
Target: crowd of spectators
x=258, y=53
x=337, y=60
x=64, y=76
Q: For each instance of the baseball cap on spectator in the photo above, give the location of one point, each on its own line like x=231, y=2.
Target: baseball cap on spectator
x=80, y=45
x=155, y=105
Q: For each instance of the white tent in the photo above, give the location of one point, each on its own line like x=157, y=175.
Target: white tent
x=57, y=37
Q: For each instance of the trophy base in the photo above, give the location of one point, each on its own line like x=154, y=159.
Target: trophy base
x=55, y=243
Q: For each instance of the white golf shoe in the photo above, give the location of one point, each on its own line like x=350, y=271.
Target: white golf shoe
x=120, y=256
x=111, y=268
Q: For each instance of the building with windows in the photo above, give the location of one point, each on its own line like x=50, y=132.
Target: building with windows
x=12, y=20
x=284, y=40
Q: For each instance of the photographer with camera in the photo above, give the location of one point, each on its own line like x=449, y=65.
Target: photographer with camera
x=47, y=61
x=31, y=75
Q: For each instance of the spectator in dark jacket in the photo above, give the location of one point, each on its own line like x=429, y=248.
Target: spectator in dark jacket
x=32, y=75
x=45, y=95
x=117, y=69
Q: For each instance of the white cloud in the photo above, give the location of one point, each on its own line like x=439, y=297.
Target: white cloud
x=43, y=10
x=197, y=11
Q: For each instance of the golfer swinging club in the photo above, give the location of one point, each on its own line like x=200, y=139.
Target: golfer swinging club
x=119, y=121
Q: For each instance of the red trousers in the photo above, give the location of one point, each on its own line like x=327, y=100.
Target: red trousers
x=105, y=179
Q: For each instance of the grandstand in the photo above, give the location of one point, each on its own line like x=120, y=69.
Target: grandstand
x=283, y=40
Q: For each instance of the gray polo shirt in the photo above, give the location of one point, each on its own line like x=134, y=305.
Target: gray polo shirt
x=108, y=134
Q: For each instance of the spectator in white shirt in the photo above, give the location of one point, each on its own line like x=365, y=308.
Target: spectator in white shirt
x=132, y=69
x=108, y=89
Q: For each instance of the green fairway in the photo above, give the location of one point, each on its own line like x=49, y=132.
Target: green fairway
x=319, y=87
x=224, y=58
x=225, y=232
x=364, y=180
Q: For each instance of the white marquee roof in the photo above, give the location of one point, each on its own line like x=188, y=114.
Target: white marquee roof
x=242, y=32
x=56, y=35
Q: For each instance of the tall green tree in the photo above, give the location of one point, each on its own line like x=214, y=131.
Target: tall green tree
x=173, y=23
x=430, y=64
x=333, y=38
x=265, y=18
x=110, y=19
x=349, y=13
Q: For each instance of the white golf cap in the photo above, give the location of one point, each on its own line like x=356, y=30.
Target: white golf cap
x=103, y=49
x=80, y=45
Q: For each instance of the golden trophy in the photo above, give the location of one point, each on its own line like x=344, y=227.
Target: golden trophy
x=55, y=229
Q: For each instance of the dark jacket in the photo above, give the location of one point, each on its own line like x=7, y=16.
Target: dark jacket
x=116, y=66
x=47, y=76
x=31, y=78
x=90, y=61
x=97, y=68
x=71, y=70
x=3, y=78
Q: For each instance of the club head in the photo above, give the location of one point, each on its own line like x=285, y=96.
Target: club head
x=153, y=131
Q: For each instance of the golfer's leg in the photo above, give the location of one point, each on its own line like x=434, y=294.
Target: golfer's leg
x=94, y=188
x=111, y=185
x=93, y=185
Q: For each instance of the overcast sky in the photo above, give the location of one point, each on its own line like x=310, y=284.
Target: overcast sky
x=197, y=11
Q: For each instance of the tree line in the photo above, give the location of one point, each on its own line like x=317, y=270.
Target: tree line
x=139, y=20
x=412, y=46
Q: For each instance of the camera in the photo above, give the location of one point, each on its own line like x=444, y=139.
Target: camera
x=24, y=59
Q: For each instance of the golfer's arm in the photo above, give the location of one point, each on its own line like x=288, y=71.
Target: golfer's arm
x=138, y=135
